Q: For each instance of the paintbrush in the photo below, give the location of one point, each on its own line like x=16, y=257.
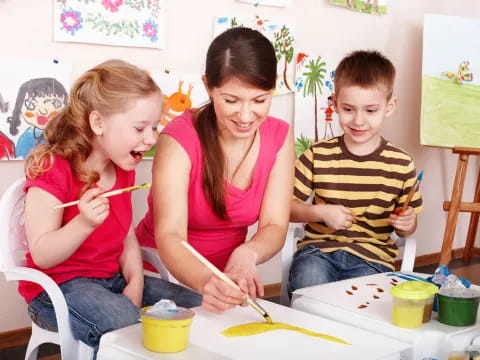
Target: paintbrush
x=107, y=194
x=229, y=281
x=412, y=191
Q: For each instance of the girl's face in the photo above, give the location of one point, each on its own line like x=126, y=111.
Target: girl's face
x=240, y=108
x=38, y=110
x=126, y=136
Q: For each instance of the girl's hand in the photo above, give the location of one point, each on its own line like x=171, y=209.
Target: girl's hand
x=337, y=217
x=134, y=291
x=93, y=209
x=403, y=220
x=242, y=269
x=219, y=296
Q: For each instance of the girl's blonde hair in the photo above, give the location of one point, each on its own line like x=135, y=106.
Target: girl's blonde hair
x=106, y=88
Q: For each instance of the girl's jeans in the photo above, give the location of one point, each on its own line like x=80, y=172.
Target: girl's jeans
x=312, y=266
x=97, y=306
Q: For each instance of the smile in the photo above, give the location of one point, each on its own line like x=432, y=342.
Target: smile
x=243, y=125
x=137, y=154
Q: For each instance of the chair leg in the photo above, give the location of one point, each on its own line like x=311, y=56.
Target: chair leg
x=32, y=350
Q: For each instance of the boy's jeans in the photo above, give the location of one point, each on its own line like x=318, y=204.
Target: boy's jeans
x=312, y=266
x=97, y=306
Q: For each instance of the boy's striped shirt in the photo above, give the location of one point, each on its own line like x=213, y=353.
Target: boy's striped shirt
x=372, y=186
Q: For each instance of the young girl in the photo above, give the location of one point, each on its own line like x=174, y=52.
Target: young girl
x=90, y=250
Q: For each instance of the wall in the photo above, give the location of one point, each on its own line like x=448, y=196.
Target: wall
x=26, y=29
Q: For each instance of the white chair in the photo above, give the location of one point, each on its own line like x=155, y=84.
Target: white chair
x=13, y=246
x=296, y=232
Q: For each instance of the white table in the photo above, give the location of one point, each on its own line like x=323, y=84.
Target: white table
x=340, y=301
x=206, y=342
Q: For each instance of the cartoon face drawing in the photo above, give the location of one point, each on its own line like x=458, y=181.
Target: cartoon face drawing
x=36, y=111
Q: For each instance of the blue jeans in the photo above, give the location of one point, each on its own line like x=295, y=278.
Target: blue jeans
x=97, y=306
x=312, y=266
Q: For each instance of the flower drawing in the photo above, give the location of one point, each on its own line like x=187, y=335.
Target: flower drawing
x=112, y=5
x=71, y=20
x=150, y=30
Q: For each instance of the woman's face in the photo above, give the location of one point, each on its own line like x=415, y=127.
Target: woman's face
x=240, y=108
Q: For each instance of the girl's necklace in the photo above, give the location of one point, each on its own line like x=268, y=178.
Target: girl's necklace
x=234, y=173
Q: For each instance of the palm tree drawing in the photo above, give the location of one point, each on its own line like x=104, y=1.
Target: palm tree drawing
x=314, y=83
x=284, y=48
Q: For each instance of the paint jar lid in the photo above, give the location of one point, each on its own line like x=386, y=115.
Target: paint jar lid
x=414, y=290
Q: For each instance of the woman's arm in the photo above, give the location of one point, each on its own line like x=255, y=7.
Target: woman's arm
x=49, y=242
x=272, y=223
x=131, y=266
x=171, y=174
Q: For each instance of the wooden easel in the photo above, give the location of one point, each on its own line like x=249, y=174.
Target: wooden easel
x=456, y=205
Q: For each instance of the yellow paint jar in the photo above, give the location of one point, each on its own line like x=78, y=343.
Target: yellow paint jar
x=166, y=331
x=409, y=299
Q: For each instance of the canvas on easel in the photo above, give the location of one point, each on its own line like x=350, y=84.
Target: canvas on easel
x=449, y=116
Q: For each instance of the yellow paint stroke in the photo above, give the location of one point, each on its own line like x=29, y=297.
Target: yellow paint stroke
x=256, y=328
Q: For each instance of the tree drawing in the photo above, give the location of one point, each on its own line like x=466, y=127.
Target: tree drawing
x=314, y=83
x=284, y=49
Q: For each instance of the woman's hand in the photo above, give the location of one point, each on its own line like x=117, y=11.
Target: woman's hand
x=242, y=269
x=219, y=296
x=93, y=209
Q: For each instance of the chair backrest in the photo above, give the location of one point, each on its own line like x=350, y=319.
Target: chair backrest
x=13, y=242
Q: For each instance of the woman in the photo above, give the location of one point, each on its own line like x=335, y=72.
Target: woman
x=221, y=168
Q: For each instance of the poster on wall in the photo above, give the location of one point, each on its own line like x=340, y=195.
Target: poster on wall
x=110, y=22
x=181, y=91
x=282, y=37
x=315, y=118
x=281, y=3
x=450, y=91
x=32, y=91
x=376, y=7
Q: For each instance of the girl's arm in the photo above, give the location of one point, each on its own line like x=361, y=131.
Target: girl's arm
x=171, y=174
x=272, y=223
x=131, y=266
x=49, y=242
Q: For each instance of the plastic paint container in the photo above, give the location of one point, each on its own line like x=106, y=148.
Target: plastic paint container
x=166, y=331
x=409, y=299
x=427, y=309
x=458, y=309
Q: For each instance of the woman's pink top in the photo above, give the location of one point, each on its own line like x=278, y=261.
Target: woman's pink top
x=97, y=256
x=212, y=236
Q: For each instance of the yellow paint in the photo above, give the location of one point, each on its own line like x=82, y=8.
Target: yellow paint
x=256, y=328
x=408, y=315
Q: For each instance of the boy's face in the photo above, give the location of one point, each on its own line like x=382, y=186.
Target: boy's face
x=361, y=112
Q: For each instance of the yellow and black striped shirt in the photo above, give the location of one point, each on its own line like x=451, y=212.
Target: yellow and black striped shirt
x=372, y=186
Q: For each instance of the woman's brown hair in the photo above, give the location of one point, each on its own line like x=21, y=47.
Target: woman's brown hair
x=107, y=88
x=248, y=56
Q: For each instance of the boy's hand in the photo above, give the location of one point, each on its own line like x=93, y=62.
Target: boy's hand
x=337, y=217
x=93, y=209
x=403, y=220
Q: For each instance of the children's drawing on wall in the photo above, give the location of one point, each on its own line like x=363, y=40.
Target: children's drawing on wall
x=110, y=22
x=377, y=7
x=281, y=3
x=33, y=92
x=315, y=118
x=180, y=92
x=450, y=87
x=282, y=37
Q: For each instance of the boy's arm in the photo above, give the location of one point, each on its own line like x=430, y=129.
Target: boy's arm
x=336, y=217
x=131, y=266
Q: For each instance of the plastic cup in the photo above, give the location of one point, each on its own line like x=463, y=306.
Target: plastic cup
x=428, y=307
x=167, y=332
x=458, y=311
x=409, y=300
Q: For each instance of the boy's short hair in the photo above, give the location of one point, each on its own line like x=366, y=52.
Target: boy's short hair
x=365, y=68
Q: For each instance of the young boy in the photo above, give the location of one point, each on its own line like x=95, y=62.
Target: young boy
x=357, y=179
